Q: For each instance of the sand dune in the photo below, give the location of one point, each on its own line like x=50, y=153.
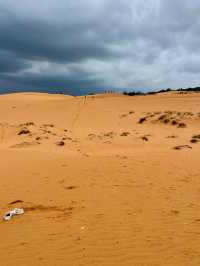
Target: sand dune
x=104, y=179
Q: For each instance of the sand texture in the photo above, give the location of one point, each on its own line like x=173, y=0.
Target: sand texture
x=105, y=180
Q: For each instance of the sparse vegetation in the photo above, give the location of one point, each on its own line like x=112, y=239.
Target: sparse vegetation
x=134, y=93
x=196, y=136
x=181, y=125
x=26, y=124
x=180, y=147
x=131, y=112
x=174, y=122
x=142, y=120
x=180, y=90
x=172, y=137
x=124, y=134
x=60, y=143
x=109, y=134
x=162, y=117
x=144, y=138
x=24, y=131
x=194, y=140
x=48, y=125
x=166, y=121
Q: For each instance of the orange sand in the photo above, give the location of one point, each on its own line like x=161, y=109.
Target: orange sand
x=117, y=193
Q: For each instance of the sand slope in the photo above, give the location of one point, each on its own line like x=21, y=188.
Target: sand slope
x=104, y=180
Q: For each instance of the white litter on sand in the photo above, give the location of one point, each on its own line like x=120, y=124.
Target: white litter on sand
x=16, y=211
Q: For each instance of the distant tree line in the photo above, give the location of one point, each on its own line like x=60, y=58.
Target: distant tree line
x=195, y=89
x=134, y=93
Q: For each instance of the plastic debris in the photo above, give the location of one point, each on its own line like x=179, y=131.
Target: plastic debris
x=7, y=216
x=16, y=211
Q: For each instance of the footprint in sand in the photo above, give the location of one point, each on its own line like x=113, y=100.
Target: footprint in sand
x=174, y=212
x=62, y=181
x=70, y=187
x=25, y=144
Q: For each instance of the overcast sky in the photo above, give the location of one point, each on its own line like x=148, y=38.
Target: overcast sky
x=139, y=44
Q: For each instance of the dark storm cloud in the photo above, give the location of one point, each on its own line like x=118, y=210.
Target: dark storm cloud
x=41, y=80
x=99, y=43
x=41, y=40
x=9, y=62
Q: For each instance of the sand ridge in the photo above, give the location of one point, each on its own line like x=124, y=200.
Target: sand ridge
x=104, y=180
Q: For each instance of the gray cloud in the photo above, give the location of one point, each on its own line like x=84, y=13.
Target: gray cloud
x=10, y=62
x=99, y=43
